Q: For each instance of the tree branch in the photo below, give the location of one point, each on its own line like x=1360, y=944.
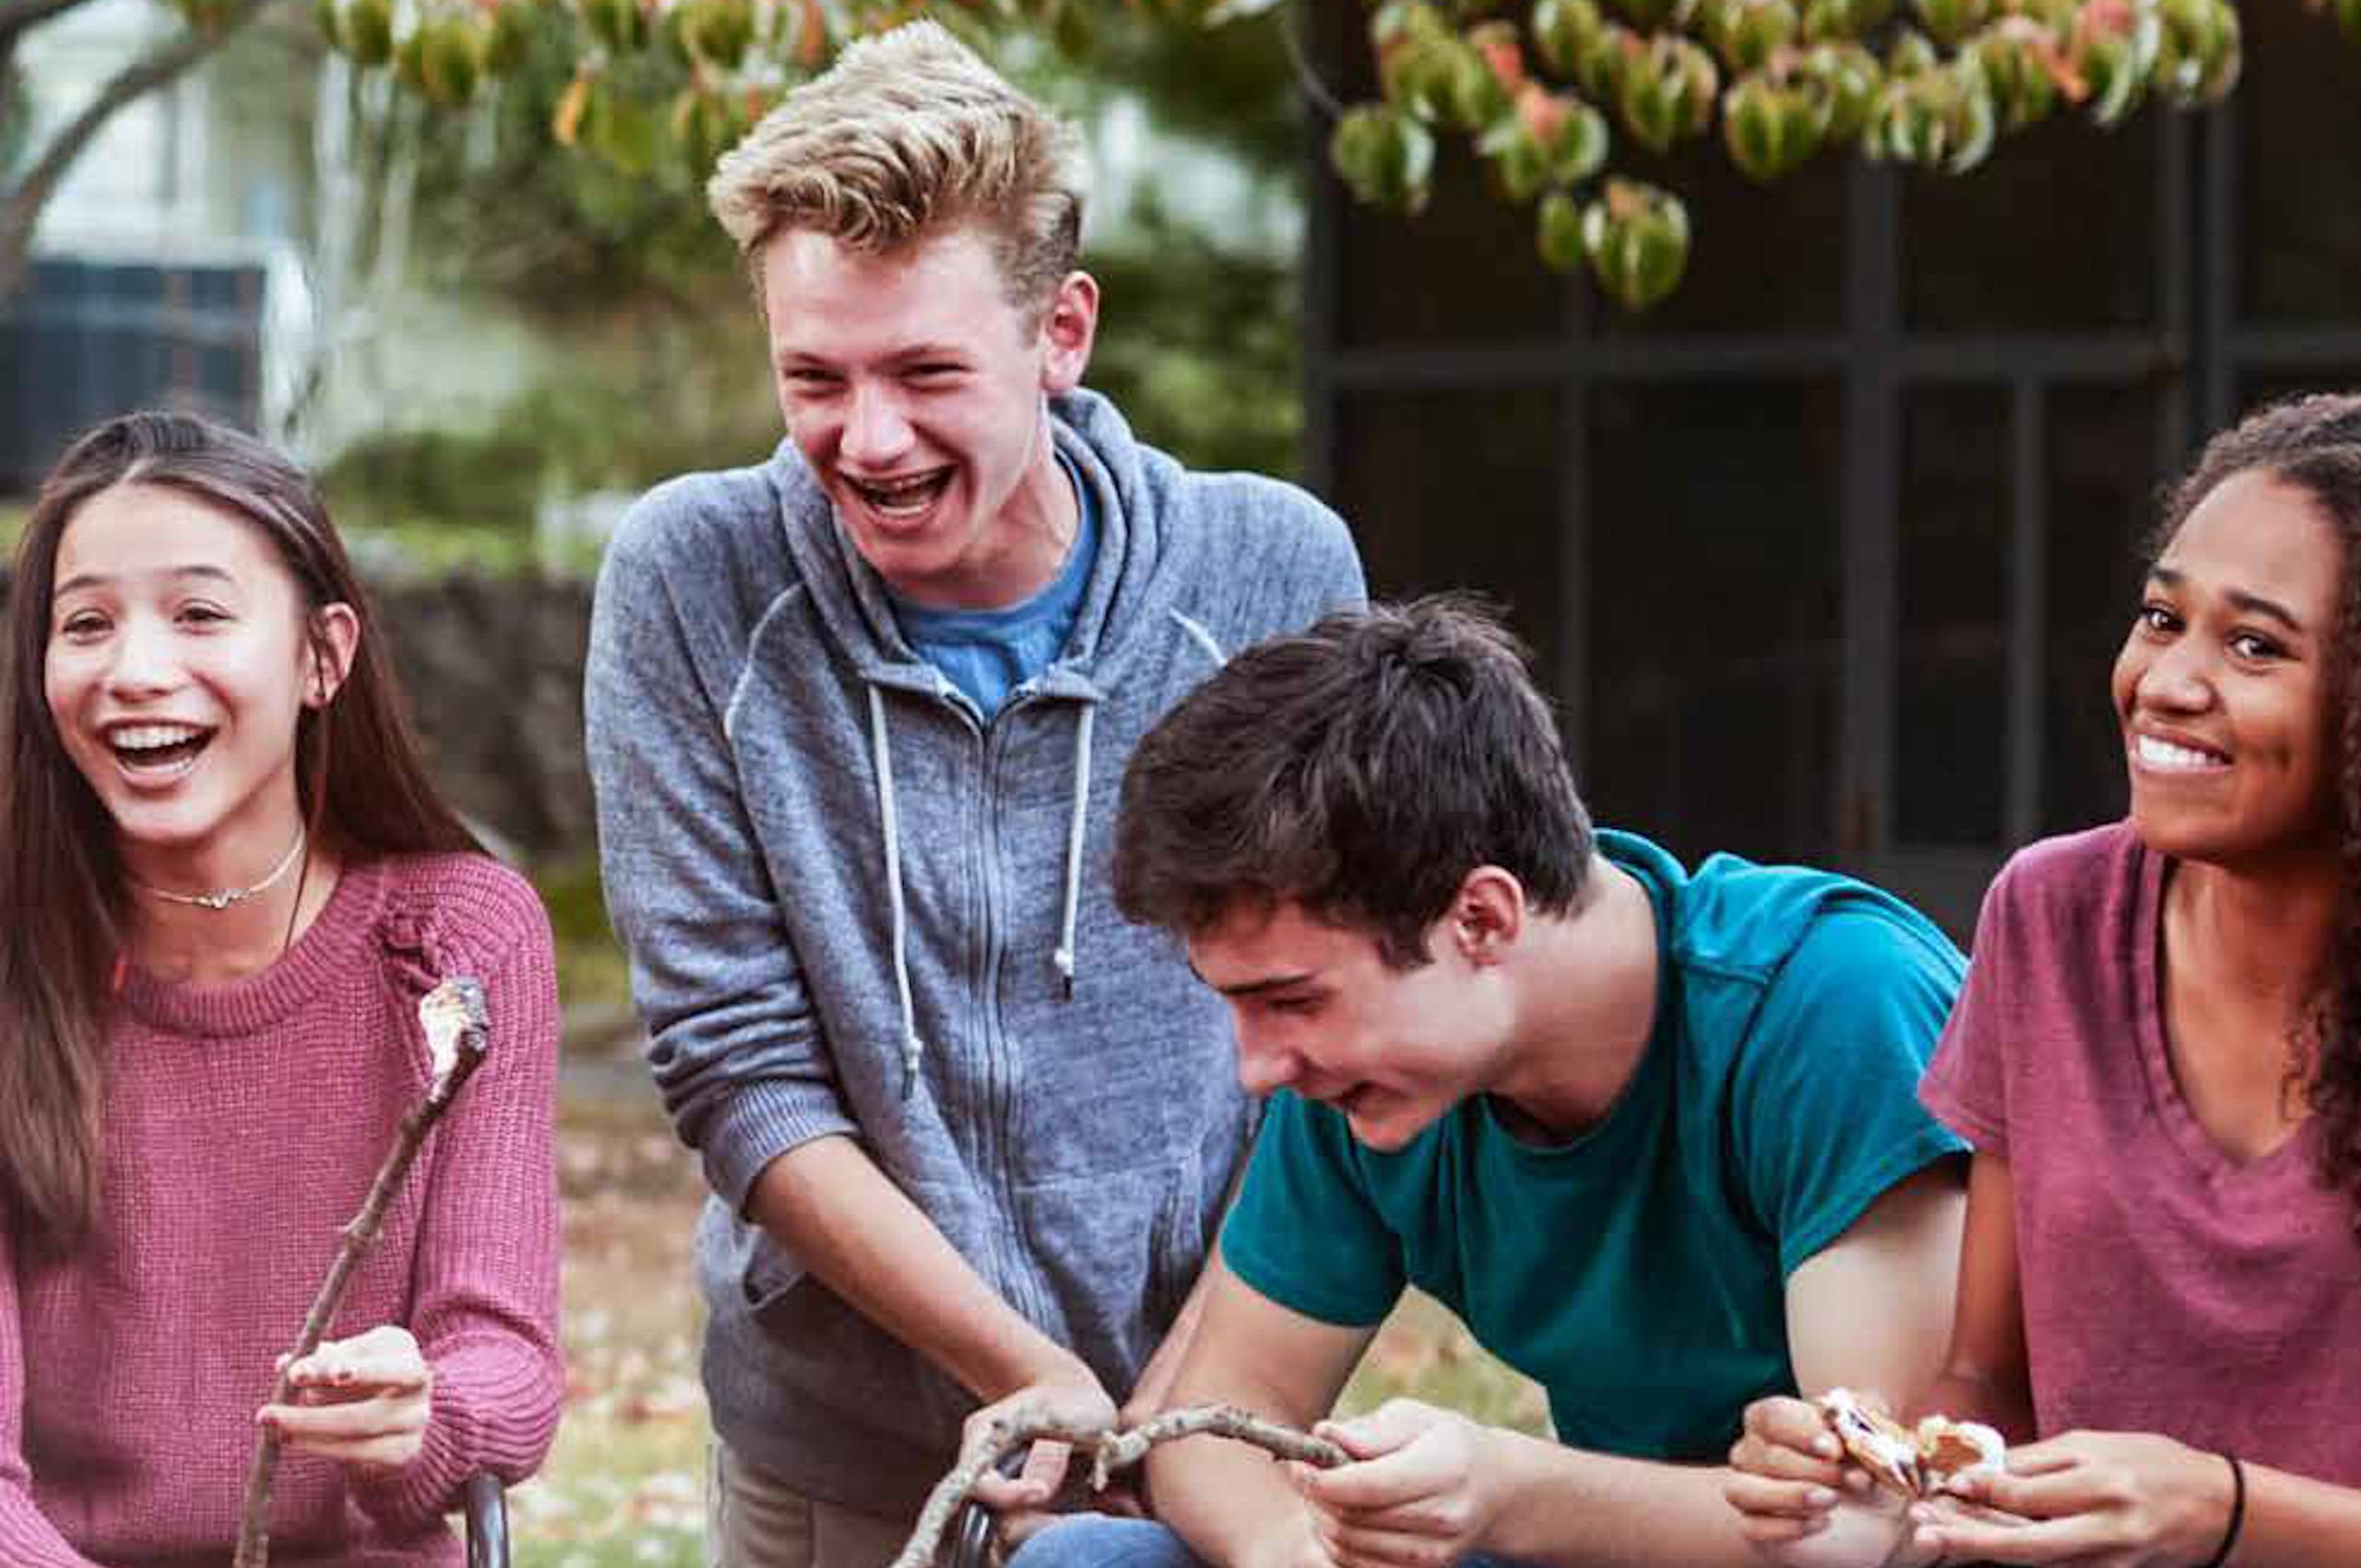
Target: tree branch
x=167, y=61
x=1110, y=1450
x=456, y=1023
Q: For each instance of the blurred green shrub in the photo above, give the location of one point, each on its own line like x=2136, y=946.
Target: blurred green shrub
x=411, y=477
x=591, y=970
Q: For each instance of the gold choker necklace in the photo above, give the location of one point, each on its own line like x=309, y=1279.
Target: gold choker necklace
x=226, y=896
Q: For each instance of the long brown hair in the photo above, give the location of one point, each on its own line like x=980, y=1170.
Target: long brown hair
x=2314, y=444
x=64, y=902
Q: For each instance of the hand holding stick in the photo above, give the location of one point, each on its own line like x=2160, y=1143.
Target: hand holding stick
x=1110, y=1450
x=457, y=1024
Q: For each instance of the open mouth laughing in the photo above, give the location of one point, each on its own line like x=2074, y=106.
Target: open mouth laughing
x=905, y=498
x=157, y=750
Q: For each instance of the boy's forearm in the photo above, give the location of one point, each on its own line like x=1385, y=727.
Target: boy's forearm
x=1231, y=1503
x=860, y=1235
x=1568, y=1508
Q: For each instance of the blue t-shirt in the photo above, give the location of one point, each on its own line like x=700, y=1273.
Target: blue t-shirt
x=989, y=653
x=1638, y=1273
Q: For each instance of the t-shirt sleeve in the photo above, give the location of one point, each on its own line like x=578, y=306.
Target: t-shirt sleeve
x=1967, y=1085
x=1305, y=1232
x=1825, y=1114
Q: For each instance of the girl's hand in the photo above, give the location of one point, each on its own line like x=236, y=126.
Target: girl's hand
x=2113, y=1500
x=362, y=1401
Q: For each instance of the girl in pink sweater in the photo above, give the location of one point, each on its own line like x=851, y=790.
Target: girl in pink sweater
x=2157, y=1058
x=226, y=883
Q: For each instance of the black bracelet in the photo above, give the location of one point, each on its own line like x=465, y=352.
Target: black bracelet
x=2237, y=1512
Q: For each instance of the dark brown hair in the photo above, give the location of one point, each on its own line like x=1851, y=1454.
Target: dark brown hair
x=359, y=783
x=2314, y=444
x=1362, y=769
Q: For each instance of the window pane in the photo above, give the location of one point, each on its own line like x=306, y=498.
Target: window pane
x=1715, y=625
x=1463, y=271
x=1459, y=489
x=2102, y=457
x=1951, y=700
x=2058, y=231
x=1766, y=258
x=2257, y=387
x=2299, y=165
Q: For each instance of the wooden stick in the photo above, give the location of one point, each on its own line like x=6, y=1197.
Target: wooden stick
x=454, y=1016
x=1119, y=1450
x=1110, y=1450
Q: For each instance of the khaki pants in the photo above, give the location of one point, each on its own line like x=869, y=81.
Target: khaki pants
x=754, y=1520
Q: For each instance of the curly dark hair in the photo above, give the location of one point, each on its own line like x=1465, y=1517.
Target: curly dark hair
x=2314, y=444
x=1362, y=769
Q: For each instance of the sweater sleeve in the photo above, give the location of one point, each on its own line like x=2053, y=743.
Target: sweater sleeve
x=485, y=1274
x=27, y=1540
x=734, y=1043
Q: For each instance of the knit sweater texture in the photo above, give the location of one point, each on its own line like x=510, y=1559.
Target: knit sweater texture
x=243, y=1123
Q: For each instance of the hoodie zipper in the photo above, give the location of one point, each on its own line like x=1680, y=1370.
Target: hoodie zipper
x=1025, y=1291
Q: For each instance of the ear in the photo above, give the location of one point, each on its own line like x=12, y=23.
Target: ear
x=1487, y=915
x=1069, y=327
x=328, y=653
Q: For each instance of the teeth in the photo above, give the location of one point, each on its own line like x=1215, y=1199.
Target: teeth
x=905, y=497
x=147, y=737
x=2158, y=752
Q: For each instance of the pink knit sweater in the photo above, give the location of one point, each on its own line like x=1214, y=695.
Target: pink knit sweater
x=243, y=1123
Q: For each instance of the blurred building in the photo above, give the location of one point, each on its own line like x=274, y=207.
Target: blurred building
x=1827, y=557
x=155, y=261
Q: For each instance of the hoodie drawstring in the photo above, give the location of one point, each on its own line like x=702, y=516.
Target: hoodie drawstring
x=890, y=820
x=1076, y=825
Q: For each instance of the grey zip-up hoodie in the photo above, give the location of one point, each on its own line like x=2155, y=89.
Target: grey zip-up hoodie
x=852, y=907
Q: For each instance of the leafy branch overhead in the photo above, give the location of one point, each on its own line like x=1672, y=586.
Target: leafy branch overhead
x=1542, y=92
x=1548, y=94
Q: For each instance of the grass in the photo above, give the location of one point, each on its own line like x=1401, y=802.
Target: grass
x=624, y=1487
x=592, y=973
x=625, y=1484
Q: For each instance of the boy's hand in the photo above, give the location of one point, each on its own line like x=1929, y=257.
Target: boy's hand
x=1418, y=1494
x=1070, y=1395
x=1788, y=1472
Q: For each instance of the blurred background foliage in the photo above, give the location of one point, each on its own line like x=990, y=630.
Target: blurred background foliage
x=660, y=365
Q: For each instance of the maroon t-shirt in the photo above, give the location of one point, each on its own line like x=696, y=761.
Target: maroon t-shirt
x=2167, y=1287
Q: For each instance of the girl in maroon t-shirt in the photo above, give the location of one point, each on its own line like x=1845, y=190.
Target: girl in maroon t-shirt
x=2157, y=1058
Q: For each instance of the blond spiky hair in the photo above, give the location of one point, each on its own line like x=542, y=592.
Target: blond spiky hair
x=911, y=132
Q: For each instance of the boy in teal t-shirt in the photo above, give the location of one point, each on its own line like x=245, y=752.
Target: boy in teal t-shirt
x=1653, y=1134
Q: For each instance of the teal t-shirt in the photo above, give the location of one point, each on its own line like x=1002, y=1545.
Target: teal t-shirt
x=1638, y=1273
x=989, y=653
